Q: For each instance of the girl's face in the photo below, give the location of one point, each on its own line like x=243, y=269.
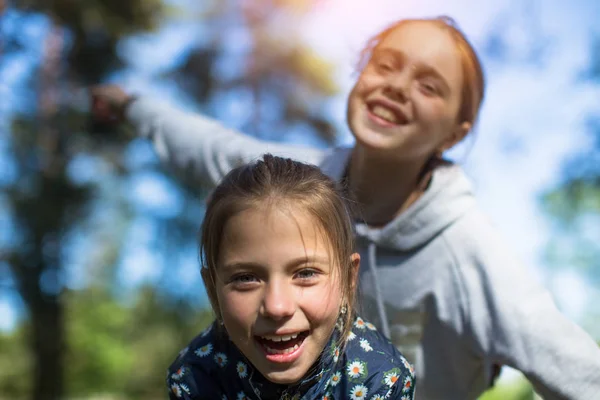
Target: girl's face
x=278, y=289
x=406, y=101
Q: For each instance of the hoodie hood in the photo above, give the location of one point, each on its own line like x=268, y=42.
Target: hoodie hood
x=448, y=197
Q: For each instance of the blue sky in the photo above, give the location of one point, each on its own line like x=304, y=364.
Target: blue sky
x=534, y=108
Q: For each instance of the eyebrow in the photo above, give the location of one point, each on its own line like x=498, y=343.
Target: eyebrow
x=292, y=264
x=426, y=69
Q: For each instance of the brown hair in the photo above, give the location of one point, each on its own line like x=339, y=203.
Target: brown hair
x=474, y=79
x=275, y=180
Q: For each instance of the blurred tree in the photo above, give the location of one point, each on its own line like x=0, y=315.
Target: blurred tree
x=245, y=59
x=574, y=205
x=125, y=350
x=86, y=342
x=114, y=349
x=46, y=203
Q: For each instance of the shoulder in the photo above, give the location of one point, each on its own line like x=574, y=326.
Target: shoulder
x=374, y=365
x=334, y=161
x=195, y=367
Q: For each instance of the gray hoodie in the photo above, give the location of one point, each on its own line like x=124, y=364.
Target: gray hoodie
x=438, y=279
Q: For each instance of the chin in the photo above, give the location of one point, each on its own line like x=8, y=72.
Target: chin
x=375, y=142
x=287, y=377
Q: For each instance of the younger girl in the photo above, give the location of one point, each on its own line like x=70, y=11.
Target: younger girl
x=280, y=272
x=439, y=281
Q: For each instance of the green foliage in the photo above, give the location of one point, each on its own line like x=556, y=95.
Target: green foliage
x=572, y=200
x=574, y=210
x=15, y=364
x=120, y=350
x=519, y=389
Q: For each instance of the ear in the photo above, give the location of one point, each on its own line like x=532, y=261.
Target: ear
x=354, y=265
x=456, y=136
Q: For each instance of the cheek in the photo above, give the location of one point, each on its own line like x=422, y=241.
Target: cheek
x=362, y=88
x=323, y=304
x=433, y=112
x=366, y=83
x=237, y=308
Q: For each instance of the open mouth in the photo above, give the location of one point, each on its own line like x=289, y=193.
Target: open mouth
x=388, y=114
x=282, y=344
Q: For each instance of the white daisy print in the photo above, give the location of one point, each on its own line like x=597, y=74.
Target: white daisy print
x=377, y=397
x=204, y=350
x=359, y=323
x=184, y=387
x=364, y=343
x=370, y=326
x=408, y=366
x=355, y=369
x=335, y=379
x=242, y=369
x=407, y=384
x=405, y=398
x=351, y=336
x=176, y=390
x=390, y=378
x=221, y=359
x=336, y=355
x=177, y=375
x=359, y=392
x=242, y=396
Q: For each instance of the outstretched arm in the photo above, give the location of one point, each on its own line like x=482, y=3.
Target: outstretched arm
x=516, y=323
x=193, y=145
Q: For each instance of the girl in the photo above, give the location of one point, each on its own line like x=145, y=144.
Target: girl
x=280, y=272
x=439, y=281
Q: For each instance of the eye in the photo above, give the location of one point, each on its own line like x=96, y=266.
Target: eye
x=306, y=274
x=428, y=87
x=243, y=280
x=384, y=66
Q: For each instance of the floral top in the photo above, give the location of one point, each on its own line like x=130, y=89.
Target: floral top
x=370, y=368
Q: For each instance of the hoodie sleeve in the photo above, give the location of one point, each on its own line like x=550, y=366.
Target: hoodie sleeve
x=200, y=148
x=514, y=321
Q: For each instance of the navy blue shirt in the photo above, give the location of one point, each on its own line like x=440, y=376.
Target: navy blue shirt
x=370, y=368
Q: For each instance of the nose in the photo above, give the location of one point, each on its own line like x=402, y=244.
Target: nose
x=278, y=301
x=397, y=86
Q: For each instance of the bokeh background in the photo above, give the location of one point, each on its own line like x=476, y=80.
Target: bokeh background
x=99, y=274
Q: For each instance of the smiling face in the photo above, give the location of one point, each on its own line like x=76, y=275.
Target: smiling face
x=406, y=101
x=278, y=289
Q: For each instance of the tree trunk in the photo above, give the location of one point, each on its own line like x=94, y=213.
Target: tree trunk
x=45, y=306
x=47, y=342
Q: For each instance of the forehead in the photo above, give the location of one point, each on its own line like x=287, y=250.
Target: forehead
x=281, y=229
x=427, y=44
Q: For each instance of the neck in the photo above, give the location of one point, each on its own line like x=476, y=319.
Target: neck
x=385, y=187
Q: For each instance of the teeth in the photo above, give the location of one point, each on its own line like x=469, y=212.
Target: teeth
x=385, y=113
x=278, y=338
x=285, y=351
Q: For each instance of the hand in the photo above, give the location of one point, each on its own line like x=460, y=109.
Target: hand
x=109, y=103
